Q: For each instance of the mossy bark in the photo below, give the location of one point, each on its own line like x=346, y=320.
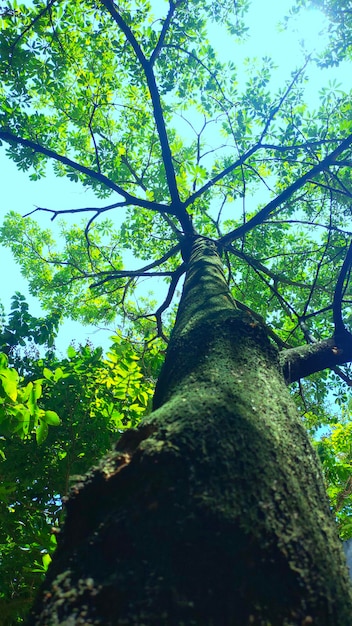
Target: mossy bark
x=213, y=513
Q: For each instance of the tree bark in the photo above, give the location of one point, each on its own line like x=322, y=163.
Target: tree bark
x=314, y=357
x=213, y=512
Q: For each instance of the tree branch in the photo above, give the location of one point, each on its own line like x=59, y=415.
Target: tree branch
x=147, y=67
x=9, y=137
x=206, y=68
x=129, y=274
x=259, y=145
x=264, y=213
x=330, y=353
x=97, y=159
x=170, y=294
x=300, y=362
x=96, y=210
x=240, y=161
x=33, y=22
x=110, y=6
x=143, y=271
x=255, y=263
x=166, y=24
x=309, y=223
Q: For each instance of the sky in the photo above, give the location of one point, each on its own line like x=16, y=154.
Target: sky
x=287, y=48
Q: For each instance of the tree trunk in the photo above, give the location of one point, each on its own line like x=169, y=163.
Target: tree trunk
x=213, y=512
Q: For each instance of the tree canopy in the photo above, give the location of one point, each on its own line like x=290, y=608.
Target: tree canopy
x=134, y=102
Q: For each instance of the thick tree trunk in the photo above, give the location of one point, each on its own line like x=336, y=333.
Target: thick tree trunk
x=213, y=513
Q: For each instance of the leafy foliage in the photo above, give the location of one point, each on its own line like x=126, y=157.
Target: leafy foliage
x=97, y=397
x=19, y=410
x=335, y=451
x=339, y=28
x=96, y=76
x=22, y=328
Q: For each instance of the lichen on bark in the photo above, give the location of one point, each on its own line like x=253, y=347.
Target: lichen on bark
x=214, y=512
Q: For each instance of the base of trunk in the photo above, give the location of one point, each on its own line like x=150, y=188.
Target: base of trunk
x=212, y=514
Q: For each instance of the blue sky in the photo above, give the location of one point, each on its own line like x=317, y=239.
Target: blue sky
x=22, y=195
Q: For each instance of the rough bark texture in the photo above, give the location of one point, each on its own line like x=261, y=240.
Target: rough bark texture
x=214, y=512
x=300, y=362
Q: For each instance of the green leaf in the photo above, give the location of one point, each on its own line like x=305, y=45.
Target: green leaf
x=46, y=559
x=37, y=389
x=51, y=418
x=48, y=374
x=3, y=360
x=58, y=374
x=9, y=380
x=41, y=432
x=71, y=352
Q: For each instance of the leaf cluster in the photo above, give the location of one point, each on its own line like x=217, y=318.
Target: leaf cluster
x=97, y=398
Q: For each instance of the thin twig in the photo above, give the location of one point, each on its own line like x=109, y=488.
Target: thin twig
x=143, y=271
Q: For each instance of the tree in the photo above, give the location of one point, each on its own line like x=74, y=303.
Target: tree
x=214, y=510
